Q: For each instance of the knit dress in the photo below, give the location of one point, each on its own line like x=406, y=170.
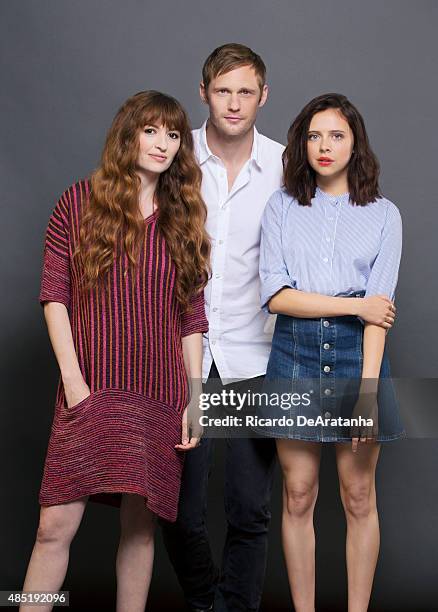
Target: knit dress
x=127, y=336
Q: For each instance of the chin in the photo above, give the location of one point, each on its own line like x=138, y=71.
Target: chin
x=235, y=130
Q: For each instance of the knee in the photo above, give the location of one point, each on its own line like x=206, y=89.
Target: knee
x=54, y=529
x=358, y=501
x=299, y=499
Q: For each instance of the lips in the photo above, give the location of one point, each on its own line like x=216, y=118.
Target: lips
x=233, y=119
x=159, y=158
x=325, y=161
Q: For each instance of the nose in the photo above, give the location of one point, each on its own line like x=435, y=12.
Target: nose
x=161, y=142
x=233, y=102
x=324, y=144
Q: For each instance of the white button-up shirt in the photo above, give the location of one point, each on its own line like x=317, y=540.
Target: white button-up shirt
x=240, y=333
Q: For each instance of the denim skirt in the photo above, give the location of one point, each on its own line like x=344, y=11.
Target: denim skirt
x=312, y=384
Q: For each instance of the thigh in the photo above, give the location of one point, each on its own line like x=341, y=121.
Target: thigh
x=134, y=514
x=359, y=468
x=249, y=474
x=62, y=518
x=192, y=506
x=299, y=461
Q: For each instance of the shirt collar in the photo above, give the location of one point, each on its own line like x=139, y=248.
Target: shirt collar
x=331, y=199
x=205, y=152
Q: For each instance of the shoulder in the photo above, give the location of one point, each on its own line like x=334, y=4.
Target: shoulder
x=71, y=200
x=270, y=147
x=279, y=202
x=196, y=135
x=389, y=210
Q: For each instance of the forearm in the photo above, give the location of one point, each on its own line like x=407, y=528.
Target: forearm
x=192, y=354
x=373, y=347
x=58, y=324
x=312, y=305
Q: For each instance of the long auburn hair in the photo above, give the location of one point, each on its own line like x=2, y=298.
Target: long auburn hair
x=112, y=223
x=299, y=178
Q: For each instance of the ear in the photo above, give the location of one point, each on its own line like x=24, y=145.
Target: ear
x=264, y=96
x=203, y=93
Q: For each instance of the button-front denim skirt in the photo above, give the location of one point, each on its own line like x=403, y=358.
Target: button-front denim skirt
x=312, y=383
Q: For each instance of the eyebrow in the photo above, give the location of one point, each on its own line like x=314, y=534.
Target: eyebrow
x=331, y=131
x=250, y=89
x=157, y=127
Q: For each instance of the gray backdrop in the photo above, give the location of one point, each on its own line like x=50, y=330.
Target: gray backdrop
x=65, y=69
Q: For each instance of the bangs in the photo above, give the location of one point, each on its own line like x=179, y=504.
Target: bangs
x=161, y=109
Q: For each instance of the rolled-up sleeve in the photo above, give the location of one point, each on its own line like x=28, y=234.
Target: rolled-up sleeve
x=55, y=278
x=272, y=268
x=193, y=320
x=384, y=270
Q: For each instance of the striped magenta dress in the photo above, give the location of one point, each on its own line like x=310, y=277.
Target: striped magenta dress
x=127, y=335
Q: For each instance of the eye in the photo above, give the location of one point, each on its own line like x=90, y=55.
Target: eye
x=149, y=130
x=174, y=135
x=312, y=136
x=338, y=136
x=245, y=92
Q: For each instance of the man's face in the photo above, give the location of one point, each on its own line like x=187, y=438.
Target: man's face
x=234, y=99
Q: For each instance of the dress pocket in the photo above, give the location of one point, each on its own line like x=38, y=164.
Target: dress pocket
x=78, y=405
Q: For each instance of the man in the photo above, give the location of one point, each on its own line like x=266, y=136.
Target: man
x=241, y=168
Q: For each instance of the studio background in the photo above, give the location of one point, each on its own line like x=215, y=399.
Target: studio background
x=66, y=67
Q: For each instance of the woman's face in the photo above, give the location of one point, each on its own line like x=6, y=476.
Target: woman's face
x=329, y=143
x=157, y=148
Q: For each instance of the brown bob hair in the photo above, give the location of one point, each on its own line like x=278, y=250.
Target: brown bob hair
x=299, y=178
x=112, y=223
x=229, y=57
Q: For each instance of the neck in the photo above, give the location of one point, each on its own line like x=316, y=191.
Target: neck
x=333, y=185
x=231, y=150
x=148, y=184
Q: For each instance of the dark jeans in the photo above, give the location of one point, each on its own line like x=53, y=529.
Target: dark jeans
x=249, y=471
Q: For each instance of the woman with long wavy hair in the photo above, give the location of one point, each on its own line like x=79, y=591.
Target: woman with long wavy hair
x=329, y=259
x=125, y=262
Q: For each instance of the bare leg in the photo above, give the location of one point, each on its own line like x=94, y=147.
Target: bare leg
x=48, y=563
x=135, y=556
x=299, y=461
x=358, y=493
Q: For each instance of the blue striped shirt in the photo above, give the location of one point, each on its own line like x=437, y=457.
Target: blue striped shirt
x=331, y=247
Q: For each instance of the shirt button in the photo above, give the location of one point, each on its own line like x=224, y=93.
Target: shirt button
x=213, y=341
x=325, y=259
x=217, y=275
x=327, y=415
x=326, y=323
x=327, y=392
x=326, y=368
x=215, y=309
x=221, y=241
x=326, y=345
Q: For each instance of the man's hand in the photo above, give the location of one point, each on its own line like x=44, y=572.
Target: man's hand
x=367, y=408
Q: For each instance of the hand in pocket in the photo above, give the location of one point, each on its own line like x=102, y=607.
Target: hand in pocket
x=76, y=392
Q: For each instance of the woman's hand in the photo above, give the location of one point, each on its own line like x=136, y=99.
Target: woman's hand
x=191, y=428
x=377, y=310
x=75, y=391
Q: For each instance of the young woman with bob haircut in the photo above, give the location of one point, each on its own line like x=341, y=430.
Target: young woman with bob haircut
x=329, y=259
x=125, y=263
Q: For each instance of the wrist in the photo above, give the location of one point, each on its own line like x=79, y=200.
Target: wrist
x=70, y=377
x=354, y=306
